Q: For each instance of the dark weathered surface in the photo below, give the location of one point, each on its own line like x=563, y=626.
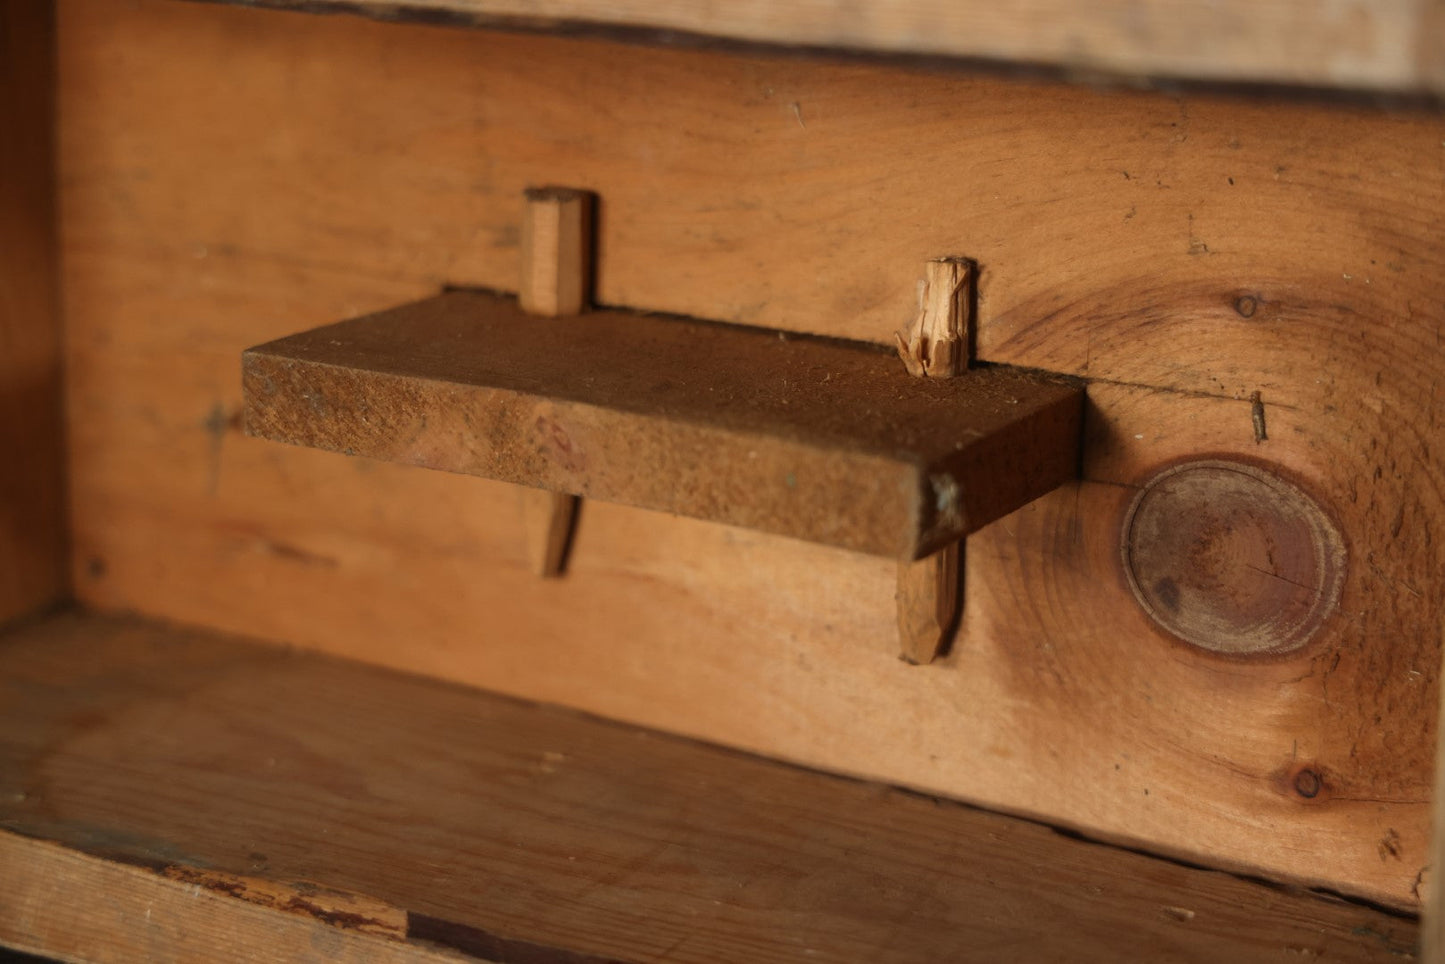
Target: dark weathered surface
x=387, y=810
x=818, y=439
x=32, y=523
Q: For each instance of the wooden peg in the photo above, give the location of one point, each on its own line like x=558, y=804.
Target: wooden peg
x=556, y=275
x=927, y=603
x=938, y=343
x=556, y=251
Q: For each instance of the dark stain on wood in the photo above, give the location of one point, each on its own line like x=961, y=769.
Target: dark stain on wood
x=491, y=947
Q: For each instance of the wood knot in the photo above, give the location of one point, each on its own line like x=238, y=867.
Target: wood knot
x=1231, y=558
x=1303, y=782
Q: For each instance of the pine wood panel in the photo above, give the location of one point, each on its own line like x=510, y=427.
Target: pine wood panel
x=292, y=806
x=1395, y=44
x=32, y=539
x=1182, y=254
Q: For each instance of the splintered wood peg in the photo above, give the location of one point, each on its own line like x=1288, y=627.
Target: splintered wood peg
x=556, y=277
x=938, y=343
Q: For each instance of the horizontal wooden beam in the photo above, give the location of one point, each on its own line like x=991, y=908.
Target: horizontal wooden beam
x=813, y=438
x=1382, y=45
x=169, y=794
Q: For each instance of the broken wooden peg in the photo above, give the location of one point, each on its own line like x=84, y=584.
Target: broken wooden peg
x=556, y=275
x=938, y=343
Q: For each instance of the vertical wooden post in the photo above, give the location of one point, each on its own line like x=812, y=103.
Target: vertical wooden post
x=555, y=280
x=1432, y=904
x=32, y=456
x=938, y=344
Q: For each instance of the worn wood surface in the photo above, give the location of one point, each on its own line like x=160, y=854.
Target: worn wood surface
x=1388, y=44
x=929, y=598
x=32, y=536
x=65, y=904
x=810, y=438
x=361, y=165
x=265, y=791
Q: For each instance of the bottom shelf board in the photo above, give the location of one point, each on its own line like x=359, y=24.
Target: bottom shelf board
x=174, y=794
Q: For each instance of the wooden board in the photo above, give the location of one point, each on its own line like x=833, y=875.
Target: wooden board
x=810, y=438
x=32, y=537
x=241, y=792
x=69, y=905
x=361, y=165
x=1391, y=45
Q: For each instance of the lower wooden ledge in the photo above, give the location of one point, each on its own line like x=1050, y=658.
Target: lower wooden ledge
x=171, y=794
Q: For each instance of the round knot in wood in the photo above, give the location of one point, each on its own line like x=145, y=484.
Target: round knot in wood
x=1231, y=558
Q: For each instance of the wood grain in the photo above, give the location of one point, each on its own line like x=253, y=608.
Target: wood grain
x=32, y=527
x=1392, y=45
x=68, y=905
x=813, y=439
x=203, y=215
x=222, y=780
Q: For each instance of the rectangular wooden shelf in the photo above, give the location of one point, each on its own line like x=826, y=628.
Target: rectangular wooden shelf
x=819, y=439
x=170, y=794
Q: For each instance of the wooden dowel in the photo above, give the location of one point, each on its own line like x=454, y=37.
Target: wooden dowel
x=555, y=280
x=937, y=344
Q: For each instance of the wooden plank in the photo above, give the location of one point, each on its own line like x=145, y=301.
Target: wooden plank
x=1432, y=901
x=1392, y=45
x=68, y=905
x=228, y=775
x=32, y=527
x=1112, y=245
x=814, y=439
